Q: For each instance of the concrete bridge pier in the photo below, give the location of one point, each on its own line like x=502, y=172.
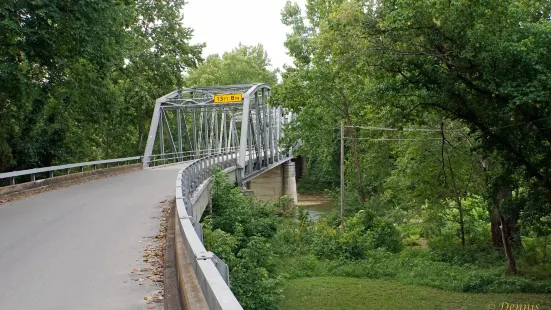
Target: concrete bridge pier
x=290, y=180
x=274, y=183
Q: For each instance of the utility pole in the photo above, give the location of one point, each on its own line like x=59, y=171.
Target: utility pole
x=342, y=175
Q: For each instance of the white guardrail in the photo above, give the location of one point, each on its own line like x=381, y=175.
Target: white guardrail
x=212, y=273
x=67, y=168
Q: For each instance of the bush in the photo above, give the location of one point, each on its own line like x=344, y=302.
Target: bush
x=263, y=249
x=414, y=266
x=240, y=233
x=448, y=249
x=362, y=233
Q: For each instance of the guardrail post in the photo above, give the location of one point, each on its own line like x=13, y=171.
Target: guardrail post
x=33, y=177
x=209, y=167
x=195, y=176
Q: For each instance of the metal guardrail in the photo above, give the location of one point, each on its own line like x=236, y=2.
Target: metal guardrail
x=52, y=169
x=212, y=273
x=167, y=158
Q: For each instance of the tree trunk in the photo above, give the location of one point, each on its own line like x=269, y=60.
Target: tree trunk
x=511, y=264
x=461, y=221
x=459, y=204
x=511, y=228
x=495, y=221
x=514, y=232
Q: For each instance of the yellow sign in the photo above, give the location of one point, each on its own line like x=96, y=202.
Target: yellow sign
x=228, y=98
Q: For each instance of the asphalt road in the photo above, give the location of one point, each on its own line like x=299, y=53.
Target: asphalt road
x=75, y=247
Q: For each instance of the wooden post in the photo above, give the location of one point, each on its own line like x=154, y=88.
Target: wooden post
x=342, y=175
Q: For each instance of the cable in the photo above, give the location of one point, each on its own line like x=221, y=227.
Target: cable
x=390, y=139
x=513, y=125
x=405, y=129
x=438, y=130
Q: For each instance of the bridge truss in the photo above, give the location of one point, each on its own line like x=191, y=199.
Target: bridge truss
x=193, y=123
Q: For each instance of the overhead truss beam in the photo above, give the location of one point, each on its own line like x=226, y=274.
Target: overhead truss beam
x=187, y=124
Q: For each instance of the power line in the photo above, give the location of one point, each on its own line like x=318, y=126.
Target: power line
x=391, y=139
x=437, y=129
x=519, y=124
x=405, y=129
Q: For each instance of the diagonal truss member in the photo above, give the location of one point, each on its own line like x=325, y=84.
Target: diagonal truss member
x=198, y=122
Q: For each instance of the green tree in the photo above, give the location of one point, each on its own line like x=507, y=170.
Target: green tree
x=79, y=78
x=243, y=65
x=158, y=55
x=409, y=63
x=326, y=85
x=485, y=64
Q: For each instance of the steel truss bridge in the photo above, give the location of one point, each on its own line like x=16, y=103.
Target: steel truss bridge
x=97, y=224
x=189, y=124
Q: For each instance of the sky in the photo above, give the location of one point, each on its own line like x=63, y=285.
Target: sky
x=223, y=24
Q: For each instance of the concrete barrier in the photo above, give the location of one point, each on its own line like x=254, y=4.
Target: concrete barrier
x=203, y=277
x=191, y=297
x=197, y=267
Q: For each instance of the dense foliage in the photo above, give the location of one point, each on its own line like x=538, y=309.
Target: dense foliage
x=266, y=243
x=240, y=231
x=447, y=109
x=254, y=241
x=78, y=79
x=243, y=65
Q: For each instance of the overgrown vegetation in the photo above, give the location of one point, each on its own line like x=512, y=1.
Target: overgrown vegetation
x=447, y=114
x=240, y=232
x=263, y=250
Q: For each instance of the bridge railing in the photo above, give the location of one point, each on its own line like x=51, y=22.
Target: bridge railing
x=211, y=272
x=168, y=158
x=50, y=171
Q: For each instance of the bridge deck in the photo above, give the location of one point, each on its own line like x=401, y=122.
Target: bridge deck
x=75, y=248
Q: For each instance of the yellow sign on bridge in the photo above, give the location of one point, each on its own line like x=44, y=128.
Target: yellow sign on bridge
x=228, y=98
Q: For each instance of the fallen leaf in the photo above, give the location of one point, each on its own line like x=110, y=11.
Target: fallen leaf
x=148, y=298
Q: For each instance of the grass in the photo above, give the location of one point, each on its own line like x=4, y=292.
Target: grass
x=414, y=267
x=336, y=293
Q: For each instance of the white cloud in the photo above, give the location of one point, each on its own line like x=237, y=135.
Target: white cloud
x=223, y=24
